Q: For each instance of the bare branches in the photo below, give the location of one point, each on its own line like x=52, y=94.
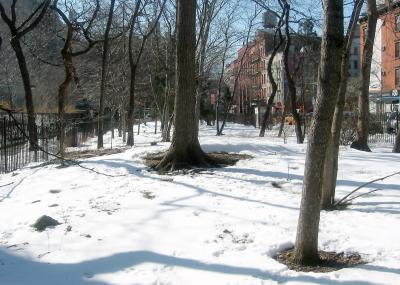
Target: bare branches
x=21, y=31
x=346, y=198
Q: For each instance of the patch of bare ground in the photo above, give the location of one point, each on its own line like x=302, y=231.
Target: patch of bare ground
x=220, y=159
x=328, y=261
x=92, y=153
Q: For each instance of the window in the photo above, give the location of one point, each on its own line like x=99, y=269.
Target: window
x=397, y=21
x=355, y=64
x=397, y=76
x=397, y=49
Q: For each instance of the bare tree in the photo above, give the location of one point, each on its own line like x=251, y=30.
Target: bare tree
x=104, y=66
x=361, y=142
x=17, y=33
x=73, y=26
x=185, y=150
x=332, y=154
x=306, y=245
x=239, y=68
x=207, y=12
x=289, y=77
x=229, y=39
x=161, y=66
x=134, y=57
x=274, y=87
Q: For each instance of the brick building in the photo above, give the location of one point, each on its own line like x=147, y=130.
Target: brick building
x=385, y=69
x=253, y=87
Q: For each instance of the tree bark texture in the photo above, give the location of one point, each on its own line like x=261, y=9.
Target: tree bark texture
x=185, y=150
x=361, y=142
x=332, y=153
x=32, y=128
x=63, y=88
x=306, y=245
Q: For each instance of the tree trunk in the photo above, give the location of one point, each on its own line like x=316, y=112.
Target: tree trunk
x=32, y=128
x=203, y=39
x=271, y=79
x=63, y=89
x=124, y=127
x=16, y=34
x=103, y=82
x=166, y=118
x=131, y=117
x=120, y=124
x=185, y=150
x=306, y=245
x=332, y=153
x=361, y=143
x=289, y=78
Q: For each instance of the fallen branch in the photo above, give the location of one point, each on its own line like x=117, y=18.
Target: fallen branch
x=355, y=197
x=362, y=186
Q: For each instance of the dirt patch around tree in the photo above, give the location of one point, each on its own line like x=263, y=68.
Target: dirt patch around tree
x=328, y=261
x=221, y=159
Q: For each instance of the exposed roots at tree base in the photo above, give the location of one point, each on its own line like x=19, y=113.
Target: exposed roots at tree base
x=328, y=261
x=161, y=163
x=360, y=146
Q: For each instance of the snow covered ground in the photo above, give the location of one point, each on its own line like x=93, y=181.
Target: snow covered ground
x=219, y=227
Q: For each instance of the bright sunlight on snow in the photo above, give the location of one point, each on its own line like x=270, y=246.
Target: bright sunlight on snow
x=213, y=227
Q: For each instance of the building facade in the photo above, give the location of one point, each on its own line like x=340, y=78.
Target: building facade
x=354, y=60
x=385, y=68
x=253, y=87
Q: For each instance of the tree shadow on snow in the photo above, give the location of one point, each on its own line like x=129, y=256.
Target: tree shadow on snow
x=25, y=271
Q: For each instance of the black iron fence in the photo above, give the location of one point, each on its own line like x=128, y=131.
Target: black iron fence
x=15, y=151
x=383, y=127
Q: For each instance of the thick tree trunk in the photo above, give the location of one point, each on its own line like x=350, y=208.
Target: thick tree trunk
x=185, y=150
x=104, y=69
x=306, y=245
x=361, y=143
x=32, y=128
x=332, y=153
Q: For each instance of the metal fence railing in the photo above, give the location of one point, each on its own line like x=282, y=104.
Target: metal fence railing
x=15, y=150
